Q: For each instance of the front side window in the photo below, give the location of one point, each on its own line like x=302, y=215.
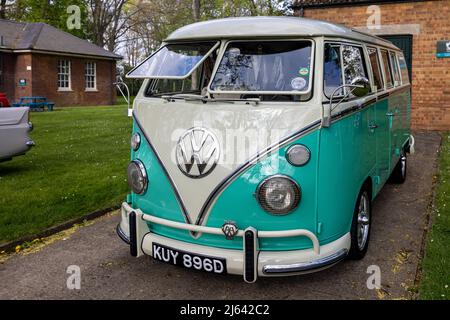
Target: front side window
x=64, y=74
x=387, y=68
x=265, y=67
x=90, y=76
x=175, y=61
x=342, y=64
x=353, y=62
x=332, y=74
x=376, y=69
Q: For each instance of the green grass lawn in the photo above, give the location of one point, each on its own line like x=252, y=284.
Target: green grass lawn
x=436, y=264
x=77, y=166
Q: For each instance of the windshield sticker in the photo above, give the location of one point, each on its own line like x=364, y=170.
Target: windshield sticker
x=298, y=83
x=303, y=71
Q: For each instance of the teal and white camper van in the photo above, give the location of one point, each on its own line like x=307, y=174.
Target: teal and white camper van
x=260, y=143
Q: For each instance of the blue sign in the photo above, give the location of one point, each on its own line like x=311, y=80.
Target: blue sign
x=443, y=49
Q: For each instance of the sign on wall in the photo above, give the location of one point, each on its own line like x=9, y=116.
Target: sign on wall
x=22, y=82
x=443, y=49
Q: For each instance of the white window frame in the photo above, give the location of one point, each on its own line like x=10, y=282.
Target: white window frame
x=67, y=63
x=86, y=75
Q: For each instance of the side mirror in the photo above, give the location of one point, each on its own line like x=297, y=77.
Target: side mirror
x=361, y=87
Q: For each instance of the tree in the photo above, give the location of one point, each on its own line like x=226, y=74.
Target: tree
x=53, y=13
x=110, y=20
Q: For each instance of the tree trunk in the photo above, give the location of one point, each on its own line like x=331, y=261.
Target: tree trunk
x=196, y=10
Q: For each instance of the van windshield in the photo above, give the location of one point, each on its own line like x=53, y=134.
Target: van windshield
x=174, y=61
x=259, y=67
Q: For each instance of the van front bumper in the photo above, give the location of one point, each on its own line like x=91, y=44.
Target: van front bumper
x=249, y=262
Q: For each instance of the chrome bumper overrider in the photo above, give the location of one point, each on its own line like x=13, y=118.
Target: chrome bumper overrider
x=133, y=229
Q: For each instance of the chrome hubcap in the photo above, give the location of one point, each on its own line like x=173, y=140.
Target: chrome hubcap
x=363, y=221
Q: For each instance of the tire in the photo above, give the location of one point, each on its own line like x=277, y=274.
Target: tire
x=361, y=225
x=399, y=174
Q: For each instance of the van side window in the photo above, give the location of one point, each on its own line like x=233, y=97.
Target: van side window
x=403, y=69
x=376, y=70
x=332, y=74
x=387, y=68
x=395, y=71
x=353, y=61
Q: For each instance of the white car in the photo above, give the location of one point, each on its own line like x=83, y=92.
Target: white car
x=14, y=132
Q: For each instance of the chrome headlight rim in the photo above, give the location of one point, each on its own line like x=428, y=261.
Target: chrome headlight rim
x=290, y=149
x=271, y=211
x=143, y=172
x=135, y=141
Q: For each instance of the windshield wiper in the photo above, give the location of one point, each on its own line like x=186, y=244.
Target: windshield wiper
x=187, y=97
x=197, y=97
x=254, y=101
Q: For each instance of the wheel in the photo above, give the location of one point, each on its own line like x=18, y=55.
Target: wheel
x=399, y=173
x=360, y=231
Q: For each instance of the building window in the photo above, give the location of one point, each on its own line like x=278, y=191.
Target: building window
x=64, y=75
x=91, y=76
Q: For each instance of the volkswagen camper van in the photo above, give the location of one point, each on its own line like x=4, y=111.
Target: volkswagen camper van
x=259, y=144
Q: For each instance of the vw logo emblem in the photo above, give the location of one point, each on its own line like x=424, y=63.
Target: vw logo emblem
x=229, y=229
x=197, y=152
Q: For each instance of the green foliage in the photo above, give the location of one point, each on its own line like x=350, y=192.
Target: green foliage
x=53, y=13
x=436, y=263
x=237, y=8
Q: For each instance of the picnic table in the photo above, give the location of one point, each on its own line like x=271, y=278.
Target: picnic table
x=35, y=103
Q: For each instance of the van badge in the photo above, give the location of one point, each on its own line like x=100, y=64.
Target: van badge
x=229, y=229
x=199, y=147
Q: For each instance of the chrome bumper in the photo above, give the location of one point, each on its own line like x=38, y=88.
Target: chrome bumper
x=250, y=263
x=30, y=143
x=307, y=266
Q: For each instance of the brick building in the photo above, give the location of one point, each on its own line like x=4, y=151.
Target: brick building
x=39, y=60
x=414, y=26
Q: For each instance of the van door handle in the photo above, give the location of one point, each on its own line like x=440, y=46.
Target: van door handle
x=373, y=126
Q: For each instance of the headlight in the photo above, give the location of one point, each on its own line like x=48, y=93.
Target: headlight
x=278, y=194
x=135, y=141
x=137, y=177
x=298, y=155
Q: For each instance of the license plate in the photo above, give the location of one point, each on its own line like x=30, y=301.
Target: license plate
x=189, y=260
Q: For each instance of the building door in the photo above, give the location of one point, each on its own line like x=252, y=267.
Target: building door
x=404, y=42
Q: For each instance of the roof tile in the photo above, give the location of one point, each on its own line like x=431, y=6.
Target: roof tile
x=43, y=37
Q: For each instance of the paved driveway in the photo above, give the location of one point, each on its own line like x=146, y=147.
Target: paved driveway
x=108, y=271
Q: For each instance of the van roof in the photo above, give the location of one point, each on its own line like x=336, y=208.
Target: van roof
x=274, y=27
